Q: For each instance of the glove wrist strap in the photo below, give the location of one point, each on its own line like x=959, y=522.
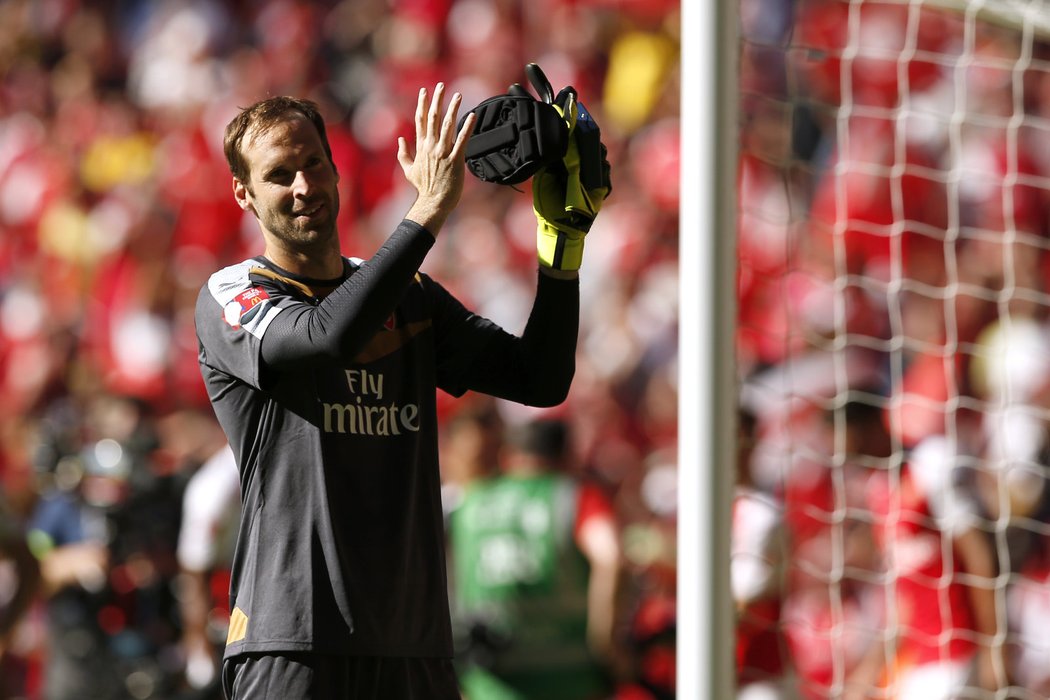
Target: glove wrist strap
x=557, y=249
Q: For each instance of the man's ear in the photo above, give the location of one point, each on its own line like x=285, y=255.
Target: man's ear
x=243, y=196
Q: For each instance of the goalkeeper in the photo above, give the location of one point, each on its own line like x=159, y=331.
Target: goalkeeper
x=322, y=370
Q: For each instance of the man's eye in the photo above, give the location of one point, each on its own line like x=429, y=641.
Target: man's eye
x=279, y=176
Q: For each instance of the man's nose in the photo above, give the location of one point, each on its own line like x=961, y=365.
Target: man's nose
x=301, y=185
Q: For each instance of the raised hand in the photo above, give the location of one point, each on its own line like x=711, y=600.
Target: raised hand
x=436, y=167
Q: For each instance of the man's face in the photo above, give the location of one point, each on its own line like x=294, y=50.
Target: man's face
x=293, y=185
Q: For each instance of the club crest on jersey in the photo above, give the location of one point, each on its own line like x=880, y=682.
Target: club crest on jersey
x=244, y=306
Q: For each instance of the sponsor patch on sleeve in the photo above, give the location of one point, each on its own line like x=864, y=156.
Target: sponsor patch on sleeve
x=245, y=306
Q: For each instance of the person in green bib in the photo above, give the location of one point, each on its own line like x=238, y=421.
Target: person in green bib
x=535, y=567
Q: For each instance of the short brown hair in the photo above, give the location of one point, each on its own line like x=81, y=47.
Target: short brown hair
x=258, y=118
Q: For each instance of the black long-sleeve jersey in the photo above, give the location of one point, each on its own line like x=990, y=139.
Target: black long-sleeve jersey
x=327, y=393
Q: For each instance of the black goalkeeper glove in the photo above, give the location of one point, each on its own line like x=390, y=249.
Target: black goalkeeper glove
x=567, y=195
x=515, y=134
x=555, y=141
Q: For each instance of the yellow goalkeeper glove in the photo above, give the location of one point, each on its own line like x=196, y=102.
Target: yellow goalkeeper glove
x=567, y=195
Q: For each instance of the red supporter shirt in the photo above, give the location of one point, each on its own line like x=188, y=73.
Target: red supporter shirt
x=933, y=610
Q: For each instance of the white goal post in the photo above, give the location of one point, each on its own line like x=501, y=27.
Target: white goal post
x=707, y=384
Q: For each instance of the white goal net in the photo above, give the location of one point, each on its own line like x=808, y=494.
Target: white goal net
x=891, y=527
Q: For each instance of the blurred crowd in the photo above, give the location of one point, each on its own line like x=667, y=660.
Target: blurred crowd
x=891, y=526
x=891, y=532
x=115, y=206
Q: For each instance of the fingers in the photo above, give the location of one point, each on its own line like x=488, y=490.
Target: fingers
x=448, y=126
x=459, y=148
x=434, y=114
x=403, y=156
x=421, y=109
x=435, y=166
x=427, y=112
x=431, y=128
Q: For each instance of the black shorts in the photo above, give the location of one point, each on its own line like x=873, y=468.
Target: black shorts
x=309, y=676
